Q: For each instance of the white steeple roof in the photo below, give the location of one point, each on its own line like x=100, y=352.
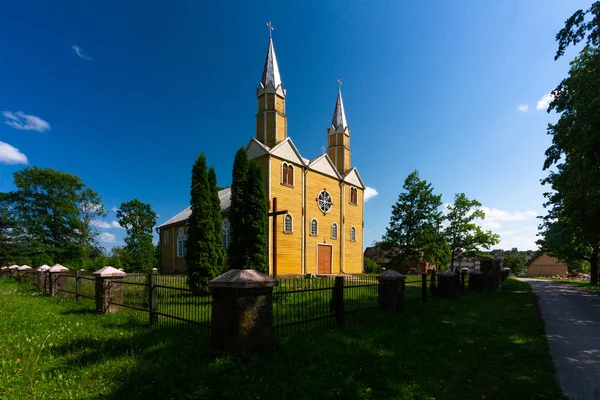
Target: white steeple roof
x=271, y=69
x=339, y=115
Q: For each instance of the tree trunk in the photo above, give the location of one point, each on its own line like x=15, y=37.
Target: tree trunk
x=594, y=267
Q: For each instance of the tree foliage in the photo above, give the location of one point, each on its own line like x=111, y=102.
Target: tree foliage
x=257, y=220
x=515, y=260
x=50, y=212
x=464, y=236
x=204, y=254
x=573, y=159
x=237, y=251
x=248, y=217
x=415, y=221
x=138, y=219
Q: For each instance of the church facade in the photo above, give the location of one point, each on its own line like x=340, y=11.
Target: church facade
x=322, y=231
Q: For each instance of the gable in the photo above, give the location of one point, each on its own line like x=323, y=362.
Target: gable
x=256, y=149
x=545, y=260
x=353, y=178
x=324, y=165
x=287, y=151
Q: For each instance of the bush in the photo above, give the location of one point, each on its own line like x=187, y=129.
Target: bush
x=371, y=267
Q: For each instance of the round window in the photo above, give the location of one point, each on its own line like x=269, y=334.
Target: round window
x=324, y=201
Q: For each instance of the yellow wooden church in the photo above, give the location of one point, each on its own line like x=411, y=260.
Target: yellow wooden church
x=322, y=232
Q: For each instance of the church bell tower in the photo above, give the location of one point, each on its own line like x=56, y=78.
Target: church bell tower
x=338, y=137
x=271, y=121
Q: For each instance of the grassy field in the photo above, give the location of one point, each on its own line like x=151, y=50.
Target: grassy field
x=488, y=345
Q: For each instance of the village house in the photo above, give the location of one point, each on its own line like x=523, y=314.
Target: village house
x=322, y=232
x=545, y=265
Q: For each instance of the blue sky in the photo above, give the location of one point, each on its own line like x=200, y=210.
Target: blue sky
x=126, y=94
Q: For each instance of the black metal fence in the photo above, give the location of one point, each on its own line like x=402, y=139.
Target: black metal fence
x=299, y=304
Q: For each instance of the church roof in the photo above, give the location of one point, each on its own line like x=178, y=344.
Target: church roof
x=224, y=197
x=271, y=70
x=339, y=114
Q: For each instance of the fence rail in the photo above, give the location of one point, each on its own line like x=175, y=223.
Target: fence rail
x=300, y=304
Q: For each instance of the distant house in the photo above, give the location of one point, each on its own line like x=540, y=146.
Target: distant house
x=544, y=265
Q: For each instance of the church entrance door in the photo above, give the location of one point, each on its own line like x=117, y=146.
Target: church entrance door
x=324, y=259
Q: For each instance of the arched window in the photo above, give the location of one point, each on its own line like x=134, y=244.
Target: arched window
x=353, y=234
x=314, y=227
x=181, y=243
x=353, y=195
x=287, y=174
x=225, y=232
x=288, y=224
x=334, y=231
x=166, y=238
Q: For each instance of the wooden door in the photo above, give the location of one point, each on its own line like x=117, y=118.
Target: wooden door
x=323, y=259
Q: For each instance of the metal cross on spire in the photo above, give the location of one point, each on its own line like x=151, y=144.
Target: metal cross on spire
x=271, y=29
x=340, y=84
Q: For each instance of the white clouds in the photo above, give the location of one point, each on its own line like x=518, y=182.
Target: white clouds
x=105, y=225
x=11, y=155
x=80, y=52
x=523, y=108
x=24, y=122
x=494, y=218
x=370, y=193
x=545, y=101
x=108, y=237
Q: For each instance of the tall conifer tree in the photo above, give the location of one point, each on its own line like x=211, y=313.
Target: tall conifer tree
x=237, y=252
x=200, y=254
x=256, y=220
x=217, y=223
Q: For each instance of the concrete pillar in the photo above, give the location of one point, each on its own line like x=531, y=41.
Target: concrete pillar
x=447, y=284
x=242, y=311
x=42, y=277
x=54, y=280
x=476, y=280
x=109, y=289
x=390, y=296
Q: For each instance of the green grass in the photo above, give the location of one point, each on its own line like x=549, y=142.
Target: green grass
x=489, y=345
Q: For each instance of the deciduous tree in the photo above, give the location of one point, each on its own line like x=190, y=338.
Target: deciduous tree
x=138, y=219
x=464, y=236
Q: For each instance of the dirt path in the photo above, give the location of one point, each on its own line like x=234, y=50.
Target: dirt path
x=572, y=318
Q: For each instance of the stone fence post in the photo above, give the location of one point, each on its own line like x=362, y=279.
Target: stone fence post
x=42, y=278
x=446, y=284
x=56, y=283
x=109, y=289
x=390, y=294
x=242, y=311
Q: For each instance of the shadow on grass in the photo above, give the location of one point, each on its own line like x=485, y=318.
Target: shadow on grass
x=489, y=344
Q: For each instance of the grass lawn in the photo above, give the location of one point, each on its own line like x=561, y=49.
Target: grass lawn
x=489, y=345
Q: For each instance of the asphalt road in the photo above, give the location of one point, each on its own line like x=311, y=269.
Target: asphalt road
x=572, y=318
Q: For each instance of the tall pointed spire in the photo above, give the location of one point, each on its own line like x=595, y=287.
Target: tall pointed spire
x=339, y=114
x=271, y=121
x=271, y=70
x=338, y=136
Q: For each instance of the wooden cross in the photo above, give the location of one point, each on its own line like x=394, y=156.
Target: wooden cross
x=271, y=29
x=274, y=214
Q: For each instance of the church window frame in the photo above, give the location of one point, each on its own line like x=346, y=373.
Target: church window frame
x=354, y=195
x=314, y=227
x=225, y=232
x=287, y=174
x=181, y=238
x=166, y=238
x=353, y=234
x=324, y=201
x=334, y=231
x=288, y=223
